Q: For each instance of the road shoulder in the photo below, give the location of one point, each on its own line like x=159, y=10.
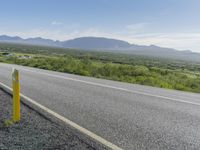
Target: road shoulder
x=36, y=131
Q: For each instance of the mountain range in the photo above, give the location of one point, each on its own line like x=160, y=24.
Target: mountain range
x=106, y=44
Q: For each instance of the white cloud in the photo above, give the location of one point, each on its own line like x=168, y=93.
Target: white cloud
x=180, y=41
x=56, y=23
x=137, y=27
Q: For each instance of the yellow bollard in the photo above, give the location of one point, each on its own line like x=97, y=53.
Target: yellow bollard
x=16, y=95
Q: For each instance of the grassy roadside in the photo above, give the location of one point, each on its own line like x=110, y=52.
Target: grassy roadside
x=164, y=73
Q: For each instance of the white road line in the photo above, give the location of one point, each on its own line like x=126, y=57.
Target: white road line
x=67, y=121
x=112, y=87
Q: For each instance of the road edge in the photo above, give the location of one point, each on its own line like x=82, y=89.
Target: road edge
x=55, y=117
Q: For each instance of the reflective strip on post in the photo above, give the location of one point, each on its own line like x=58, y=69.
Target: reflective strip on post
x=16, y=95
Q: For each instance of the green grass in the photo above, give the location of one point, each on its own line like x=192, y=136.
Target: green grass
x=164, y=73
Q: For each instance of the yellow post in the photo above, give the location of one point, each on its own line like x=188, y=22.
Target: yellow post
x=16, y=95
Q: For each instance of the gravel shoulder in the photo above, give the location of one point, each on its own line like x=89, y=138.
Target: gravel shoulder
x=35, y=131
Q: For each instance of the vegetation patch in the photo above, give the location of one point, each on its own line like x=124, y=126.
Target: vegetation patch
x=164, y=73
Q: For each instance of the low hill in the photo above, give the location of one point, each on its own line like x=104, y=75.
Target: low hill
x=106, y=44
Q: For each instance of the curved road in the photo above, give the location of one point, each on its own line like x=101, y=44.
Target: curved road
x=130, y=116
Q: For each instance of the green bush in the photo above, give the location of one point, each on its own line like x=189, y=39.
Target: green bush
x=132, y=73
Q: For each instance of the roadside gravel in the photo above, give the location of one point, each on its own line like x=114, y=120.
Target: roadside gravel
x=34, y=131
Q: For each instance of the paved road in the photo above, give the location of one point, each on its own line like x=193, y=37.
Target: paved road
x=130, y=116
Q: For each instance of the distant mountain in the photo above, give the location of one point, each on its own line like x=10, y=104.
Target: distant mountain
x=156, y=51
x=106, y=44
x=32, y=41
x=95, y=43
x=9, y=38
x=41, y=41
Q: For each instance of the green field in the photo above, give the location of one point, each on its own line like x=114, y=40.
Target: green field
x=164, y=73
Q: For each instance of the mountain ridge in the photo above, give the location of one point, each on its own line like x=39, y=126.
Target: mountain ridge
x=107, y=44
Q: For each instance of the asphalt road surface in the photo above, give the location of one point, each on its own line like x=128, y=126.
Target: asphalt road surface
x=35, y=132
x=130, y=116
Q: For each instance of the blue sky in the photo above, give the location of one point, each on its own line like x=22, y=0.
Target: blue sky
x=169, y=23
